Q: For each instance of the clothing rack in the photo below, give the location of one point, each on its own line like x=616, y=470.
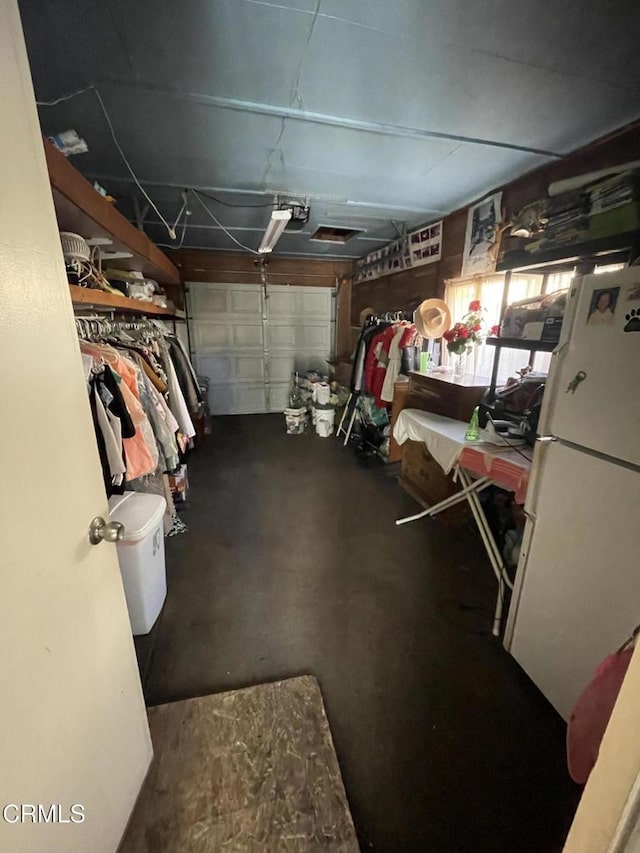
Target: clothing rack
x=95, y=327
x=143, y=420
x=106, y=311
x=388, y=317
x=401, y=315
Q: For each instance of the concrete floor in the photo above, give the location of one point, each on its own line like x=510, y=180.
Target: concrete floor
x=293, y=565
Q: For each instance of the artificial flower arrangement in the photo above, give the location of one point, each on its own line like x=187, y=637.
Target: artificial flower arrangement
x=470, y=330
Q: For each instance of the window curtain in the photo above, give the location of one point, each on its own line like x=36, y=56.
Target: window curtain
x=489, y=289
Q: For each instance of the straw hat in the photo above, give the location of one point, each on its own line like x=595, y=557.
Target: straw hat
x=366, y=312
x=432, y=318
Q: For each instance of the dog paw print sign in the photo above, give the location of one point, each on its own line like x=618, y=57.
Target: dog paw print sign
x=632, y=316
x=632, y=320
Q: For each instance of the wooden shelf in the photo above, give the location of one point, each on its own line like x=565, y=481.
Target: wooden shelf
x=80, y=209
x=610, y=249
x=100, y=299
x=519, y=343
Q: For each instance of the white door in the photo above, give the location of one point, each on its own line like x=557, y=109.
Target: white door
x=72, y=718
x=227, y=330
x=298, y=336
x=249, y=346
x=577, y=590
x=602, y=348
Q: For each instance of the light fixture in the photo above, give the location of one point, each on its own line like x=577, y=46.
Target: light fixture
x=277, y=224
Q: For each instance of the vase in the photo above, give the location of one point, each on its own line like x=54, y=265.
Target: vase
x=460, y=363
x=475, y=357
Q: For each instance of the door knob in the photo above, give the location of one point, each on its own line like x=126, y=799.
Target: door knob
x=110, y=531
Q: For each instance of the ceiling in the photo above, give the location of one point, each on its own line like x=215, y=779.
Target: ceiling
x=383, y=114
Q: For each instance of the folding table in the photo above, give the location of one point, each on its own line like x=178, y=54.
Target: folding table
x=476, y=465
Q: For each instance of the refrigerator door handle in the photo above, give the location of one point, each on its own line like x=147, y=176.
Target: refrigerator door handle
x=553, y=388
x=521, y=571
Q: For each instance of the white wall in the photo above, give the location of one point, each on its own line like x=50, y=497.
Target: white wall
x=73, y=727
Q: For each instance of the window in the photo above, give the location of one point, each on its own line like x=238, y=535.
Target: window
x=609, y=268
x=489, y=289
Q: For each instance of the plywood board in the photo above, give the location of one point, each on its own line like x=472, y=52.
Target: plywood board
x=250, y=770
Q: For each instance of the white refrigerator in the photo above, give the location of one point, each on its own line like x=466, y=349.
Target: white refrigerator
x=577, y=589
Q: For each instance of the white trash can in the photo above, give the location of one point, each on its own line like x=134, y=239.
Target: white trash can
x=141, y=556
x=295, y=420
x=324, y=422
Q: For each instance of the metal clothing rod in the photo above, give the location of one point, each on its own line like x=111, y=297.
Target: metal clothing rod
x=96, y=326
x=388, y=317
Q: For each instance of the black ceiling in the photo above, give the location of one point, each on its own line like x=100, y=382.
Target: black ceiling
x=380, y=113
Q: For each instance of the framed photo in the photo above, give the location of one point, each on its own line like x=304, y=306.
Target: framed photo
x=602, y=307
x=426, y=245
x=481, y=239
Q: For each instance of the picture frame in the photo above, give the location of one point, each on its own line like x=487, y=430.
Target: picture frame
x=482, y=236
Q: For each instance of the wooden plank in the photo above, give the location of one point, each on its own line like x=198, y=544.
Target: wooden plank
x=196, y=277
x=209, y=259
x=400, y=391
x=231, y=268
x=101, y=299
x=250, y=770
x=599, y=249
x=395, y=291
x=175, y=292
x=343, y=313
x=79, y=208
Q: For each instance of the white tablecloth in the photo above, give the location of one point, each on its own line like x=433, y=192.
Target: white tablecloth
x=444, y=437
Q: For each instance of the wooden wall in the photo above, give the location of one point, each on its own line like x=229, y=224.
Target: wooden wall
x=207, y=266
x=405, y=289
x=200, y=265
x=397, y=290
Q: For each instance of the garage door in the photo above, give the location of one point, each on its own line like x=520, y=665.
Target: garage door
x=249, y=346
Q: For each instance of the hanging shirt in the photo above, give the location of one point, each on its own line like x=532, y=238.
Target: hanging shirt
x=134, y=379
x=379, y=370
x=393, y=367
x=380, y=344
x=164, y=428
x=367, y=334
x=140, y=457
x=405, y=336
x=109, y=389
x=112, y=447
x=177, y=402
x=186, y=375
x=359, y=365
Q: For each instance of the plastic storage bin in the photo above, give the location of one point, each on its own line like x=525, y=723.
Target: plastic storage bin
x=141, y=556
